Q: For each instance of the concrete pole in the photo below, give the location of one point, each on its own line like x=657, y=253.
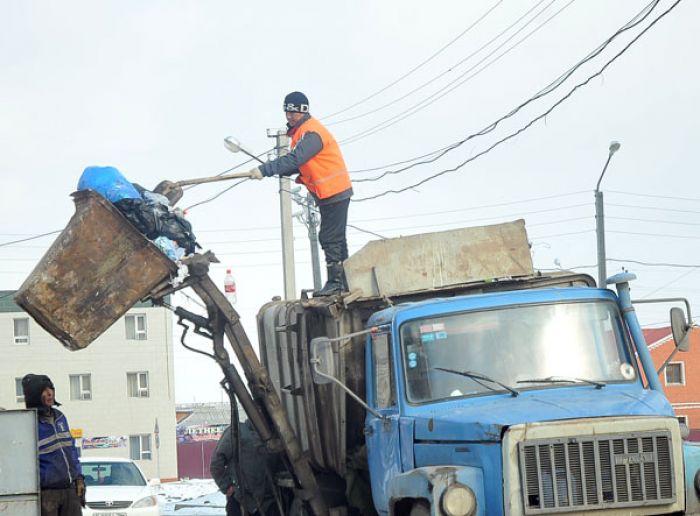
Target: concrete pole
x=281, y=146
x=312, y=218
x=600, y=238
x=600, y=219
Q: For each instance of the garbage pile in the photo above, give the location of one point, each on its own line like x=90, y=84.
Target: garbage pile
x=149, y=212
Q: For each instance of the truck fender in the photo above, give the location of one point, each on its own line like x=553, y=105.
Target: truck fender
x=691, y=458
x=429, y=483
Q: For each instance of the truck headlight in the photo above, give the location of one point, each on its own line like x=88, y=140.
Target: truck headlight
x=458, y=500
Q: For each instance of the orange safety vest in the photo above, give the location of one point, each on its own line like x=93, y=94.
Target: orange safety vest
x=325, y=175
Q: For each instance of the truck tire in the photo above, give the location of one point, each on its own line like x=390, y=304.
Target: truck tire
x=420, y=509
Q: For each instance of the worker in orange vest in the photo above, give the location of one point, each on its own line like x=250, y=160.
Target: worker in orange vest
x=316, y=157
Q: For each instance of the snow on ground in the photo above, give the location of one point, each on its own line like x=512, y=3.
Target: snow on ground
x=193, y=497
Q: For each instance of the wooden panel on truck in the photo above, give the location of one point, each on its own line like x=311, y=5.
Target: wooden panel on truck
x=325, y=421
x=434, y=260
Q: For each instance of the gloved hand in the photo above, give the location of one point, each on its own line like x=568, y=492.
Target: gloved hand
x=80, y=490
x=256, y=173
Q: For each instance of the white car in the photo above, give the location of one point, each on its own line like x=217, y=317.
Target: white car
x=117, y=487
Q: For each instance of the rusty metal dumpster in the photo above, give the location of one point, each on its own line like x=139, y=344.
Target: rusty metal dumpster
x=98, y=268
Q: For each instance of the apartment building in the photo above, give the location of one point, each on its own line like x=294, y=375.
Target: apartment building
x=118, y=393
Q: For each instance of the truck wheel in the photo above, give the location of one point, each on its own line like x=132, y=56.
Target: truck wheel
x=420, y=509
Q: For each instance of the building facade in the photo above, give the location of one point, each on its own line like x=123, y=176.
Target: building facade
x=681, y=377
x=118, y=393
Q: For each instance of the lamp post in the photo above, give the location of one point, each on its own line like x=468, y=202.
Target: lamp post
x=600, y=218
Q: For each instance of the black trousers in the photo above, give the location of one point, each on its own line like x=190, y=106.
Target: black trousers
x=60, y=502
x=331, y=236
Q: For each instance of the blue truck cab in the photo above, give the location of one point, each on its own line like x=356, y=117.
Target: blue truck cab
x=457, y=380
x=522, y=402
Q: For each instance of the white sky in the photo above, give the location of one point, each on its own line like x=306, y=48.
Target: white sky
x=153, y=87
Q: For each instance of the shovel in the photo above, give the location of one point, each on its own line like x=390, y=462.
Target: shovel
x=173, y=189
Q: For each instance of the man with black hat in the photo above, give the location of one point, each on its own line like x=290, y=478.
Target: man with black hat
x=316, y=157
x=62, y=484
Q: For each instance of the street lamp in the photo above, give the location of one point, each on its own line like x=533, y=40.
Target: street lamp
x=600, y=218
x=234, y=145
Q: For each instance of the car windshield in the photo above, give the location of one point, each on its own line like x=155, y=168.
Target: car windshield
x=112, y=474
x=520, y=347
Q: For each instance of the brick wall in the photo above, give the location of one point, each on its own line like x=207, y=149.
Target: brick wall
x=684, y=396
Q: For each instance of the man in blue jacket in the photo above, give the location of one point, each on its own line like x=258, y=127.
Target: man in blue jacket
x=62, y=484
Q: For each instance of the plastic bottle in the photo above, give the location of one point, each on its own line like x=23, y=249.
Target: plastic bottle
x=230, y=287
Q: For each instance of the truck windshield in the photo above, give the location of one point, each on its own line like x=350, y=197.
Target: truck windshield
x=525, y=346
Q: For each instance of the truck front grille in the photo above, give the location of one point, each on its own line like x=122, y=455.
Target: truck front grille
x=596, y=472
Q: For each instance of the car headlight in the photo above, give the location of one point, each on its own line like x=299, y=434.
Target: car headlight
x=148, y=501
x=458, y=500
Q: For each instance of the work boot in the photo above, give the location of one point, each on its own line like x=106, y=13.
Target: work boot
x=335, y=284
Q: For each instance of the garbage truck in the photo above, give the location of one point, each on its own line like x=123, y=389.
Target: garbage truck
x=453, y=378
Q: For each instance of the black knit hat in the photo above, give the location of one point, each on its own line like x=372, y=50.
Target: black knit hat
x=296, y=102
x=33, y=385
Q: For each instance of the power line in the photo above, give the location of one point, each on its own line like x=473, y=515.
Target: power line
x=653, y=264
x=455, y=83
x=452, y=68
x=651, y=208
x=533, y=121
x=660, y=235
x=656, y=221
x=695, y=199
x=4, y=244
x=638, y=18
x=222, y=192
x=417, y=67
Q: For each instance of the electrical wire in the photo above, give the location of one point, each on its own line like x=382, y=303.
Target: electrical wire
x=656, y=221
x=696, y=199
x=651, y=208
x=222, y=192
x=551, y=87
x=533, y=121
x=658, y=235
x=654, y=264
x=417, y=67
x=454, y=66
x=5, y=244
x=455, y=83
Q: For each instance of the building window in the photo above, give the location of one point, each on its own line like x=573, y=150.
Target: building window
x=137, y=385
x=675, y=373
x=21, y=330
x=140, y=447
x=19, y=392
x=80, y=387
x=683, y=420
x=136, y=327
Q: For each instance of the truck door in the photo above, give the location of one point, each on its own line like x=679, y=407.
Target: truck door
x=382, y=434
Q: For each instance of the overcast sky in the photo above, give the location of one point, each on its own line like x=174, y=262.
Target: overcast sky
x=153, y=88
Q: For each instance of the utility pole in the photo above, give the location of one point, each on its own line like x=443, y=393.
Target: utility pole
x=600, y=219
x=281, y=146
x=310, y=218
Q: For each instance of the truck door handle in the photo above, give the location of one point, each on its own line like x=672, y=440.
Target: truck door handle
x=368, y=430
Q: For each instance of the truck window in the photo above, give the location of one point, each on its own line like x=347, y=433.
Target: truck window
x=383, y=371
x=514, y=345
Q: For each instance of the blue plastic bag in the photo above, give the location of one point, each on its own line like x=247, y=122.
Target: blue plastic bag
x=108, y=182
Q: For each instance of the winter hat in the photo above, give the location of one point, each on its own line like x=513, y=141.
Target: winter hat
x=296, y=102
x=33, y=385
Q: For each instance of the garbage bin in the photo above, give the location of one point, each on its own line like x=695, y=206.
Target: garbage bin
x=98, y=268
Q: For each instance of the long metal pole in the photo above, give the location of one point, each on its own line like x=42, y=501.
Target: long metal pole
x=282, y=143
x=600, y=236
x=312, y=218
x=600, y=219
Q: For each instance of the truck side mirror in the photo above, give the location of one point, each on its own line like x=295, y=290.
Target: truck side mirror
x=679, y=328
x=322, y=360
